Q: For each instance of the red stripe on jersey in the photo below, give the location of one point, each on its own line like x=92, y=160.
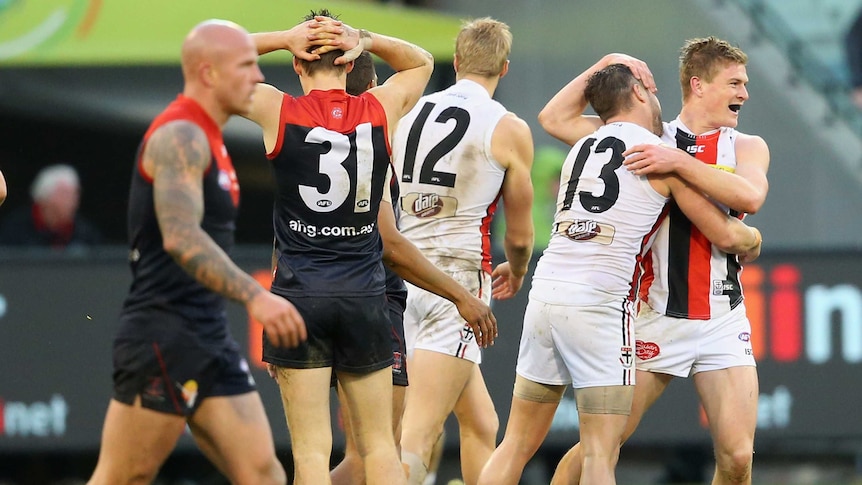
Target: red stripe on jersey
x=640, y=272
x=699, y=284
x=707, y=148
x=485, y=231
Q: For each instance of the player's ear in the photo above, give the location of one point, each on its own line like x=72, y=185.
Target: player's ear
x=207, y=74
x=696, y=85
x=505, y=69
x=297, y=67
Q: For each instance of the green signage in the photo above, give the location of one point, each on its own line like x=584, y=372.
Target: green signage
x=133, y=32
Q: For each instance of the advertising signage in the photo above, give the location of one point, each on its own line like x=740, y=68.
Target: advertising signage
x=129, y=32
x=58, y=316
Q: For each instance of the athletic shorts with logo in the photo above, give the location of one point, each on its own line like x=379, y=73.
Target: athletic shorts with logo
x=585, y=346
x=683, y=347
x=433, y=323
x=158, y=357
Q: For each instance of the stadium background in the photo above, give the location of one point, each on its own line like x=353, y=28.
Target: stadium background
x=84, y=92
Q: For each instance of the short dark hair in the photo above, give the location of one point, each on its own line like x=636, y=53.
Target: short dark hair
x=326, y=61
x=609, y=90
x=362, y=74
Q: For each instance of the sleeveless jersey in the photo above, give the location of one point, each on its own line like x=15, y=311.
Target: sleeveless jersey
x=450, y=182
x=157, y=281
x=329, y=163
x=606, y=218
x=685, y=275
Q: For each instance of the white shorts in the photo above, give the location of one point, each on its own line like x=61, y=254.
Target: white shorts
x=682, y=347
x=433, y=323
x=586, y=346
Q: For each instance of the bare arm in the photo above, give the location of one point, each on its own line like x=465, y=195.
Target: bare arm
x=403, y=257
x=2, y=188
x=512, y=147
x=744, y=191
x=727, y=233
x=563, y=117
x=413, y=66
x=176, y=157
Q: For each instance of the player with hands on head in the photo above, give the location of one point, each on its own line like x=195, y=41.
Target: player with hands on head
x=329, y=152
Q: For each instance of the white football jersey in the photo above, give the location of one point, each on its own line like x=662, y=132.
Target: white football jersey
x=605, y=220
x=450, y=182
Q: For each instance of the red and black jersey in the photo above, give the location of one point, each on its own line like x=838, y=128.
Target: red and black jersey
x=157, y=281
x=330, y=164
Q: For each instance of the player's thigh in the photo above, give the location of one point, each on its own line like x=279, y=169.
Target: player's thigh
x=305, y=398
x=539, y=359
x=729, y=398
x=437, y=382
x=474, y=407
x=234, y=432
x=369, y=401
x=649, y=387
x=135, y=442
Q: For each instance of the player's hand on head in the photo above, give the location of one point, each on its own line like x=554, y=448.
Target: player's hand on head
x=281, y=321
x=638, y=67
x=480, y=318
x=504, y=284
x=310, y=39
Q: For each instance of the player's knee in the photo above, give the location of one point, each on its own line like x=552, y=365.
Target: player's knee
x=262, y=470
x=735, y=465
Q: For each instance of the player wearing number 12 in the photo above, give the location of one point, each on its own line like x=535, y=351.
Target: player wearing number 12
x=329, y=153
x=457, y=152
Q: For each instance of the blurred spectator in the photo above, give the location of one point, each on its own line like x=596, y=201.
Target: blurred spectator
x=853, y=49
x=2, y=188
x=52, y=220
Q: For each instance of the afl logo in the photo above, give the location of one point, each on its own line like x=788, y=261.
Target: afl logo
x=337, y=113
x=224, y=180
x=427, y=205
x=324, y=203
x=583, y=230
x=745, y=336
x=362, y=203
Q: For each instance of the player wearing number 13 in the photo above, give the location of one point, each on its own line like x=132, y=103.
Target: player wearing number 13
x=329, y=153
x=578, y=322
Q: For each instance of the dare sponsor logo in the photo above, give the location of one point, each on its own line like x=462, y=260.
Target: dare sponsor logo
x=427, y=205
x=646, y=350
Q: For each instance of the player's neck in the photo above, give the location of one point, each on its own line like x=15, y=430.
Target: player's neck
x=209, y=104
x=696, y=123
x=489, y=83
x=321, y=82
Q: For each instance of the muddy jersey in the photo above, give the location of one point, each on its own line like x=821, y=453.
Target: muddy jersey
x=157, y=281
x=686, y=276
x=330, y=163
x=450, y=181
x=606, y=219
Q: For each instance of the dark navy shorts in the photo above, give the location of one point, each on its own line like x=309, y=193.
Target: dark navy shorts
x=348, y=334
x=161, y=359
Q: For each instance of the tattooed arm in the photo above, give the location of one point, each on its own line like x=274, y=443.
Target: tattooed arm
x=176, y=156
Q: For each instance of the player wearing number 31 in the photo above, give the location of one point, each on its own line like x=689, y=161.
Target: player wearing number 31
x=578, y=322
x=330, y=153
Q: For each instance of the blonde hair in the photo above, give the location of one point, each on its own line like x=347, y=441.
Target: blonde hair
x=483, y=47
x=50, y=177
x=703, y=58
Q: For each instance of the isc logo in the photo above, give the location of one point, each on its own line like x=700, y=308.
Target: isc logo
x=694, y=149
